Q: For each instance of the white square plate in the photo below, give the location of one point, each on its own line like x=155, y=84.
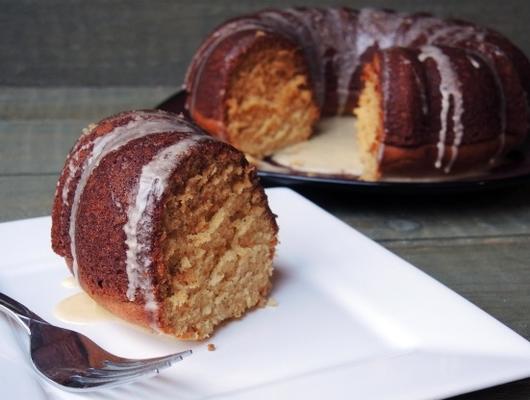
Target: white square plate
x=353, y=321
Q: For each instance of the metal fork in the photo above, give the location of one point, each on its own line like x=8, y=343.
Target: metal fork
x=72, y=361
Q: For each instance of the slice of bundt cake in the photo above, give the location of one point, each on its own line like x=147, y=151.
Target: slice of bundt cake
x=162, y=225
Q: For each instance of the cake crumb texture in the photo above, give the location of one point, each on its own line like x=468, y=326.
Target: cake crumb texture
x=369, y=115
x=218, y=245
x=269, y=103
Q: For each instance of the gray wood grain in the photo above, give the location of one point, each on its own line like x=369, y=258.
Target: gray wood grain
x=136, y=42
x=26, y=196
x=513, y=391
x=84, y=103
x=36, y=147
x=393, y=217
x=493, y=273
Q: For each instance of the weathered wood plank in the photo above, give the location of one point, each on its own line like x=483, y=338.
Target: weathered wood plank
x=39, y=126
x=150, y=43
x=35, y=147
x=84, y=103
x=492, y=273
x=26, y=196
x=391, y=217
x=519, y=390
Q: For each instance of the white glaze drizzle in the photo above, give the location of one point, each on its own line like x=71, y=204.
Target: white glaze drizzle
x=451, y=34
x=139, y=227
x=373, y=28
x=423, y=95
x=473, y=62
x=139, y=126
x=72, y=169
x=502, y=109
x=346, y=59
x=449, y=88
x=420, y=29
x=386, y=101
x=502, y=116
x=478, y=36
x=72, y=162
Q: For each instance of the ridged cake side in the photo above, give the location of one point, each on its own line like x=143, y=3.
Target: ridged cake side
x=114, y=222
x=420, y=122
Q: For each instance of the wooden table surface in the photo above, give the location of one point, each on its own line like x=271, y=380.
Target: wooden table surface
x=66, y=64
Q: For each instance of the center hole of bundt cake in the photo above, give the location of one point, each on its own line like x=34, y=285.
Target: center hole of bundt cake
x=345, y=145
x=217, y=246
x=332, y=150
x=269, y=102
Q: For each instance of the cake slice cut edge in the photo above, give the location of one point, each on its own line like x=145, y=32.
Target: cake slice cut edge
x=217, y=245
x=269, y=101
x=370, y=121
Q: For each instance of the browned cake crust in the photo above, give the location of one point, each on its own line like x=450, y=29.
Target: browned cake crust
x=400, y=161
x=413, y=114
x=206, y=107
x=110, y=223
x=73, y=168
x=492, y=74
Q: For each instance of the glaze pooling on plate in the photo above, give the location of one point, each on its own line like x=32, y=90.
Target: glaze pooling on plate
x=332, y=150
x=79, y=308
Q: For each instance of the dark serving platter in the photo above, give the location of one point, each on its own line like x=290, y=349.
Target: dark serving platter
x=513, y=171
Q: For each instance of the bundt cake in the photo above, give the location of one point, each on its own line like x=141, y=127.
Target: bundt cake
x=163, y=225
x=432, y=96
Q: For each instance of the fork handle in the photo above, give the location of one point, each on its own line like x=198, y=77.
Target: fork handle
x=10, y=305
